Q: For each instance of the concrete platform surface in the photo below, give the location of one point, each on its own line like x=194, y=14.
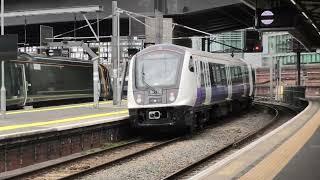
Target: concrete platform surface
x=305, y=164
x=280, y=154
x=27, y=122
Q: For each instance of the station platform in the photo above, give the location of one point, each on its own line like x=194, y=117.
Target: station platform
x=292, y=151
x=20, y=123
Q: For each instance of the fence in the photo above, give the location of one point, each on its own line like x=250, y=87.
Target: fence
x=292, y=95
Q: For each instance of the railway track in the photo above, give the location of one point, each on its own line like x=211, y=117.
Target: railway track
x=65, y=170
x=236, y=143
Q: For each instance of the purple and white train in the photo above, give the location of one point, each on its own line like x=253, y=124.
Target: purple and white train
x=178, y=87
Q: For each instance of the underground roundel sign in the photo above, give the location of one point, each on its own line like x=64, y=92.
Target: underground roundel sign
x=267, y=17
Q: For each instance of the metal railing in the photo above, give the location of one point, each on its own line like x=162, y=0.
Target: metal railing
x=291, y=95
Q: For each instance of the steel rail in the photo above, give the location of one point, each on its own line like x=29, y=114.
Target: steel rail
x=236, y=143
x=146, y=150
x=45, y=168
x=119, y=160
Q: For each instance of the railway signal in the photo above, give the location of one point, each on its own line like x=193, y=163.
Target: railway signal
x=253, y=41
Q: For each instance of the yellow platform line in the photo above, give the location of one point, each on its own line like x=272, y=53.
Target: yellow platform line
x=269, y=167
x=36, y=124
x=55, y=108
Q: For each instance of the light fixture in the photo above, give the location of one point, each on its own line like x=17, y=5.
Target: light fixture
x=314, y=26
x=293, y=2
x=84, y=9
x=304, y=14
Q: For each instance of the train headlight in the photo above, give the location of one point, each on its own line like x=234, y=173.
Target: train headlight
x=172, y=97
x=139, y=98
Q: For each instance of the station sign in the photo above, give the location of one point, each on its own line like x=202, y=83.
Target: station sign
x=267, y=17
x=275, y=15
x=275, y=19
x=8, y=47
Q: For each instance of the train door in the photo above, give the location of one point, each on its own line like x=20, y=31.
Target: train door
x=229, y=82
x=244, y=80
x=200, y=83
x=224, y=82
x=216, y=93
x=251, y=79
x=22, y=84
x=237, y=81
x=241, y=84
x=207, y=82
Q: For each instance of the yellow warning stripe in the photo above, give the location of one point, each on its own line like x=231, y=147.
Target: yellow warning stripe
x=19, y=126
x=269, y=167
x=55, y=108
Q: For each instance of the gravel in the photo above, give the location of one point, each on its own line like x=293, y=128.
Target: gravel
x=86, y=163
x=162, y=162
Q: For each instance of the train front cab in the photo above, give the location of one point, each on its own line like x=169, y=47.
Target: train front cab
x=154, y=80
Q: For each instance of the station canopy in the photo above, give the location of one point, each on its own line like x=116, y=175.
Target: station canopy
x=301, y=18
x=218, y=16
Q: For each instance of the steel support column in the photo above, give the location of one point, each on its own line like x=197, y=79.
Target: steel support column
x=158, y=27
x=96, y=79
x=115, y=53
x=203, y=44
x=299, y=68
x=3, y=88
x=208, y=44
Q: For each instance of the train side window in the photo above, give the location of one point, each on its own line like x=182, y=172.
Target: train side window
x=247, y=74
x=240, y=78
x=233, y=75
x=246, y=80
x=202, y=73
x=198, y=72
x=217, y=69
x=211, y=74
x=191, y=64
x=236, y=72
x=223, y=74
x=207, y=74
x=214, y=73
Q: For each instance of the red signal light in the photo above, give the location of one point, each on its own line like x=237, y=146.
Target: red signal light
x=257, y=48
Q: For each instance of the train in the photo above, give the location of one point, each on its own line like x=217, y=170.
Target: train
x=174, y=87
x=33, y=79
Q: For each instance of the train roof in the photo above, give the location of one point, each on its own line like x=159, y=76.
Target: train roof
x=221, y=57
x=32, y=57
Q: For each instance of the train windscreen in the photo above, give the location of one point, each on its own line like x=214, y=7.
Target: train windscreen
x=157, y=69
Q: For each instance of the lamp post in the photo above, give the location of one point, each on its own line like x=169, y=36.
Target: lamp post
x=115, y=53
x=3, y=88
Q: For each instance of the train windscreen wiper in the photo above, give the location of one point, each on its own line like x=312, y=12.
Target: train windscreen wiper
x=144, y=81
